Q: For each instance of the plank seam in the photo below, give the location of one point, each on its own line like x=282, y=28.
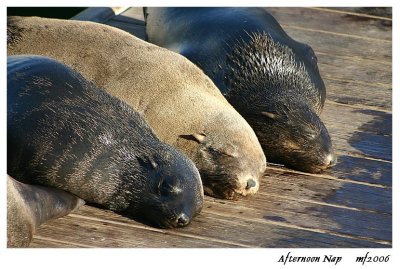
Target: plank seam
x=322, y=203
x=345, y=180
x=60, y=241
x=359, y=106
x=337, y=34
x=359, y=58
x=350, y=13
x=380, y=84
x=361, y=156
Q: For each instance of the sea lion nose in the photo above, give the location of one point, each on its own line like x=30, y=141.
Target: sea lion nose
x=182, y=220
x=331, y=160
x=250, y=184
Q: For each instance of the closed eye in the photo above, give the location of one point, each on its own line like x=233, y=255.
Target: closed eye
x=167, y=189
x=220, y=152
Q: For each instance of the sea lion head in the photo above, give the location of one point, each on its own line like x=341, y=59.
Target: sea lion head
x=280, y=95
x=229, y=157
x=165, y=190
x=295, y=137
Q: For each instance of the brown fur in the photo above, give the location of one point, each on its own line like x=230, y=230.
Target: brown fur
x=29, y=206
x=175, y=96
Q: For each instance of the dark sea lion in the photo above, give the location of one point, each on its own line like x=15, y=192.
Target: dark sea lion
x=272, y=80
x=65, y=133
x=29, y=206
x=181, y=104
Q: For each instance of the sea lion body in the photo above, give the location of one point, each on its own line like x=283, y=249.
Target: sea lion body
x=29, y=206
x=65, y=133
x=181, y=104
x=271, y=79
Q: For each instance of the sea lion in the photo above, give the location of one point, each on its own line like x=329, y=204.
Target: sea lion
x=181, y=104
x=272, y=80
x=65, y=133
x=29, y=206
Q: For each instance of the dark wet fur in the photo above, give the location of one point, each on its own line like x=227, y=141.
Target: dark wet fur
x=65, y=133
x=280, y=85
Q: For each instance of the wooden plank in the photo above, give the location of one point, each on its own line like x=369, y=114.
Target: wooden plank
x=333, y=22
x=356, y=70
x=103, y=228
x=98, y=232
x=264, y=233
x=341, y=45
x=383, y=13
x=359, y=132
x=307, y=216
x=361, y=170
x=52, y=242
x=352, y=92
x=313, y=188
x=94, y=227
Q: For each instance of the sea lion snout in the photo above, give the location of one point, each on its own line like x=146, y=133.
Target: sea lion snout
x=330, y=160
x=182, y=220
x=250, y=184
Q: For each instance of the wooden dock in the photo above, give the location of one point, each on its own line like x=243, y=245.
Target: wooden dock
x=348, y=206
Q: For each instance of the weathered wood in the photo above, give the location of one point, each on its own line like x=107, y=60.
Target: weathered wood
x=352, y=92
x=361, y=170
x=332, y=192
x=101, y=232
x=355, y=70
x=341, y=45
x=383, y=13
x=54, y=242
x=358, y=132
x=333, y=22
x=106, y=229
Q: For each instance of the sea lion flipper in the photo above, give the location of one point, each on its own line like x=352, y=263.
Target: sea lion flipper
x=28, y=206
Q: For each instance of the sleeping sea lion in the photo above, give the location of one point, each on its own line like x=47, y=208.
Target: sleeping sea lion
x=65, y=133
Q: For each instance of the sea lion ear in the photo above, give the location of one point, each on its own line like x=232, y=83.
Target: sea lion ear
x=270, y=115
x=198, y=137
x=147, y=161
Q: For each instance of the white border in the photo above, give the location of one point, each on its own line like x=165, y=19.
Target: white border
x=191, y=258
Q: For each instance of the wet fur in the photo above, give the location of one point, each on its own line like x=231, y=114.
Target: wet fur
x=65, y=133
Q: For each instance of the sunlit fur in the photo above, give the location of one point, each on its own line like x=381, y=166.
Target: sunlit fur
x=265, y=76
